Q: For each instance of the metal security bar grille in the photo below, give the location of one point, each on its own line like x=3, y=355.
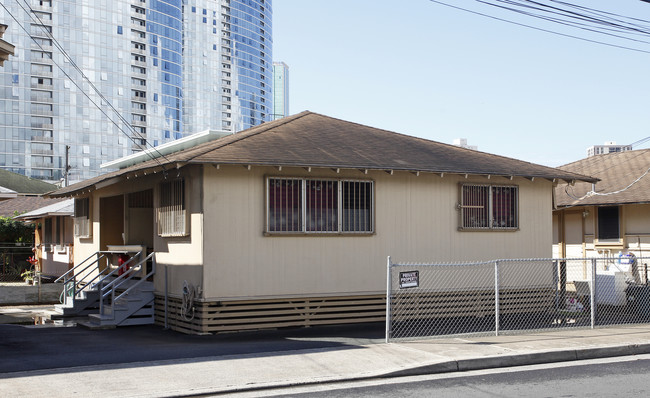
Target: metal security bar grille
x=357, y=206
x=489, y=207
x=82, y=217
x=284, y=205
x=172, y=217
x=435, y=299
x=140, y=200
x=319, y=205
x=322, y=206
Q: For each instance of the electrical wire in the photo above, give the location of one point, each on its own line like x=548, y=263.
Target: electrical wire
x=40, y=23
x=187, y=301
x=630, y=28
x=594, y=193
x=97, y=91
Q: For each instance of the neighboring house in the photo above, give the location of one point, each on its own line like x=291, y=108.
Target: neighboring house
x=291, y=222
x=614, y=219
x=23, y=204
x=53, y=238
x=11, y=183
x=6, y=48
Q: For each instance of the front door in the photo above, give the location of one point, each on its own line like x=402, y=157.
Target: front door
x=111, y=221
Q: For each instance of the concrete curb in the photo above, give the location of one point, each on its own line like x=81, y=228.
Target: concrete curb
x=463, y=365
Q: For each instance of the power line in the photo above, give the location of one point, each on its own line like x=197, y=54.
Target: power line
x=563, y=22
x=97, y=91
x=102, y=97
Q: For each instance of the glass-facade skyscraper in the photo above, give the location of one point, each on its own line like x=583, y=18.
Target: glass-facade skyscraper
x=112, y=78
x=280, y=90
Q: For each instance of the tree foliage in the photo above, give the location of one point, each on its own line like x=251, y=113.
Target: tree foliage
x=13, y=231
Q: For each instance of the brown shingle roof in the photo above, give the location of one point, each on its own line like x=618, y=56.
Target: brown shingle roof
x=616, y=171
x=22, y=204
x=312, y=140
x=24, y=185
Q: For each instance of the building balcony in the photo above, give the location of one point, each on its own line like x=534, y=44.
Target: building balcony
x=41, y=99
x=44, y=47
x=43, y=165
x=42, y=152
x=42, y=138
x=44, y=126
x=139, y=63
x=37, y=7
x=138, y=123
x=42, y=86
x=138, y=25
x=42, y=112
x=138, y=51
x=38, y=73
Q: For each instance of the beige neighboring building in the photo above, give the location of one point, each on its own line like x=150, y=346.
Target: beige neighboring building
x=6, y=48
x=53, y=236
x=615, y=219
x=290, y=223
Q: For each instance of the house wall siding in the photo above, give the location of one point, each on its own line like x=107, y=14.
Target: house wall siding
x=182, y=255
x=634, y=233
x=416, y=220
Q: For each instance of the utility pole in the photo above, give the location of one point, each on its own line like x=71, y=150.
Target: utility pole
x=67, y=165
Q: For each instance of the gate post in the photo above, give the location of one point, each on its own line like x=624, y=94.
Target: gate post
x=592, y=292
x=496, y=298
x=388, y=294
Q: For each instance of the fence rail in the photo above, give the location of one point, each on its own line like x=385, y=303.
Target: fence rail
x=434, y=299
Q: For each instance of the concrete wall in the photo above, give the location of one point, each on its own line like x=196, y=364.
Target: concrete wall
x=416, y=220
x=20, y=293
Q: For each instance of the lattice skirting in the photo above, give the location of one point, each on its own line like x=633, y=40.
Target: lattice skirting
x=222, y=316
x=478, y=303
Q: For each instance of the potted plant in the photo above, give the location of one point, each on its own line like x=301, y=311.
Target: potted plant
x=28, y=276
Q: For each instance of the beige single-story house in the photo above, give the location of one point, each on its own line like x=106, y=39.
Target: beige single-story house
x=609, y=222
x=290, y=222
x=611, y=217
x=53, y=237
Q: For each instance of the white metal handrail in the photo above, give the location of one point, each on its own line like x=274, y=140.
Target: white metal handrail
x=77, y=271
x=79, y=285
x=110, y=288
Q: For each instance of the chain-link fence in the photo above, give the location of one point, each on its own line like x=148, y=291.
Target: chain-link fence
x=13, y=261
x=492, y=297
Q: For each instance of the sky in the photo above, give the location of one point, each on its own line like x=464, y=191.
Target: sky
x=423, y=69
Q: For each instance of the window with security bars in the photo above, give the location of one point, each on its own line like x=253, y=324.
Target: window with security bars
x=82, y=218
x=172, y=213
x=489, y=207
x=319, y=205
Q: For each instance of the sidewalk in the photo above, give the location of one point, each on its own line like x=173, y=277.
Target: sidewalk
x=242, y=372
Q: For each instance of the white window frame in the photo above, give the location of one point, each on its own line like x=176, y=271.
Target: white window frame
x=171, y=209
x=82, y=218
x=365, y=227
x=469, y=210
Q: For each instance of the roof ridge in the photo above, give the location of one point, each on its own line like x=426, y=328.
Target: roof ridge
x=451, y=146
x=238, y=137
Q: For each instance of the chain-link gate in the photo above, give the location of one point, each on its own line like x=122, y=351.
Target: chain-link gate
x=434, y=299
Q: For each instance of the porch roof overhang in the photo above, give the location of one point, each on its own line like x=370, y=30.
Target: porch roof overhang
x=64, y=208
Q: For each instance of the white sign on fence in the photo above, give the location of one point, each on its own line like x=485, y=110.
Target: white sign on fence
x=409, y=279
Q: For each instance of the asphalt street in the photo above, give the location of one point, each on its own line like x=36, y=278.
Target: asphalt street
x=613, y=377
x=26, y=348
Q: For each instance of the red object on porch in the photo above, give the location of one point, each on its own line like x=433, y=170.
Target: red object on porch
x=121, y=263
